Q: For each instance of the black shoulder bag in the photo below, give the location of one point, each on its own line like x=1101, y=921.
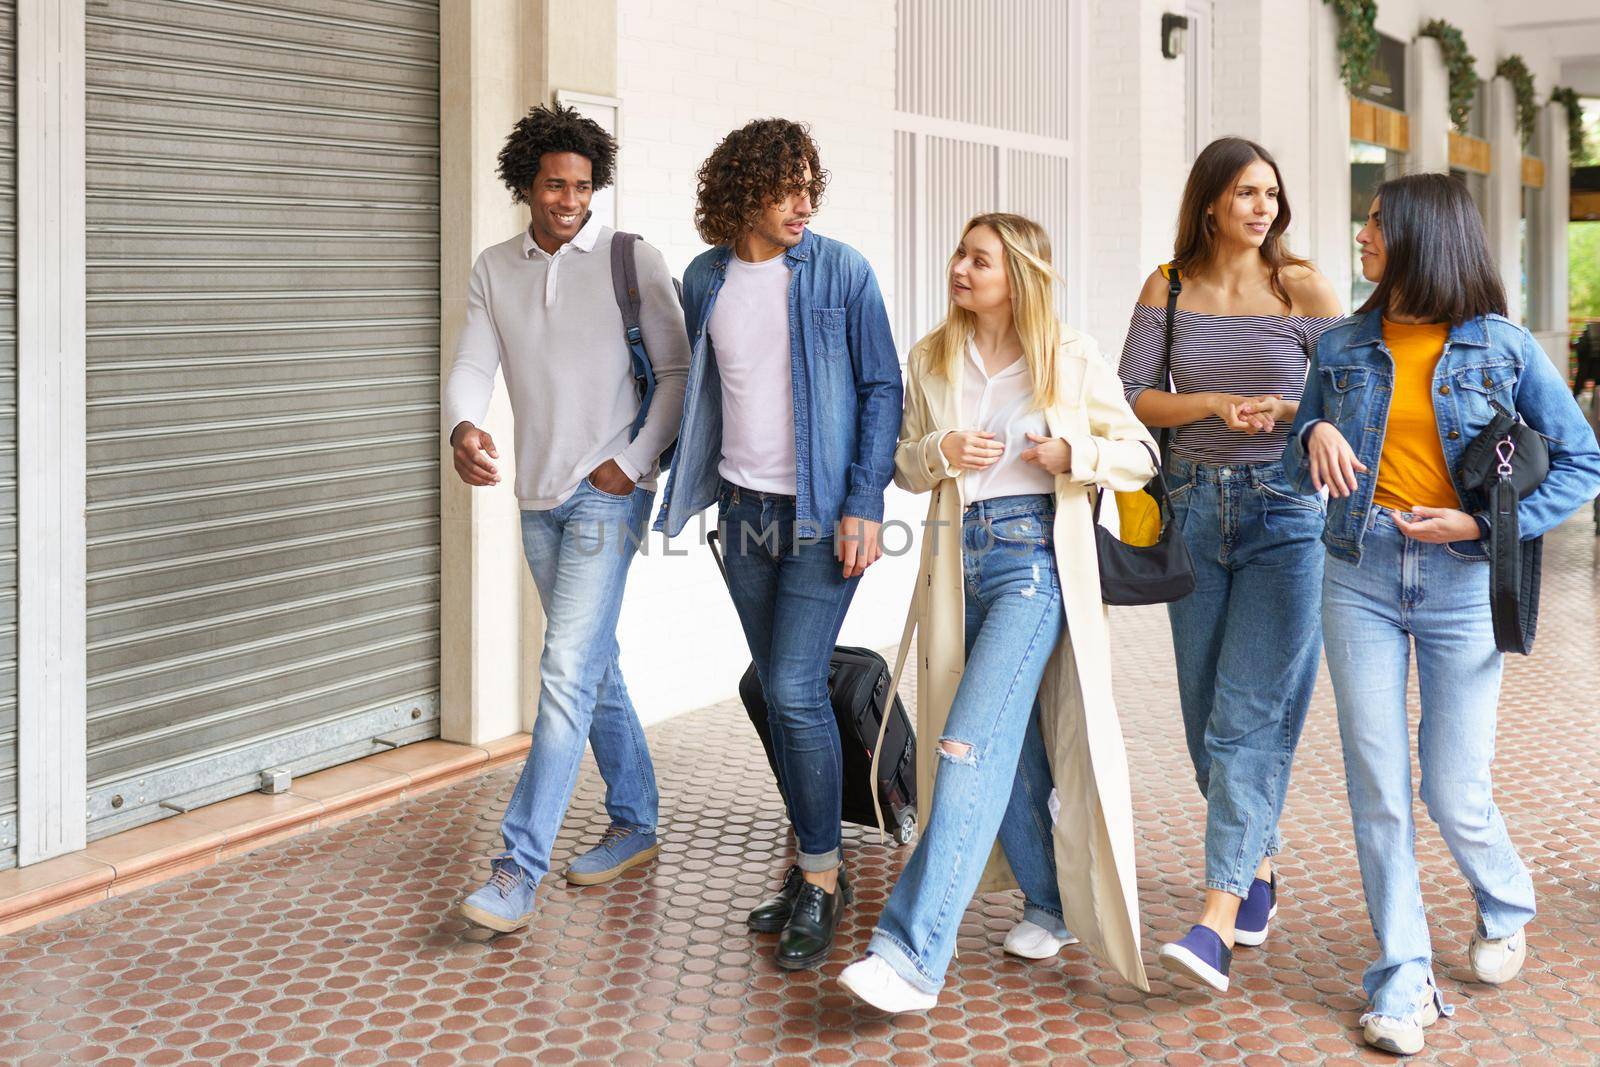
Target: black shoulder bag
x=1147, y=574
x=1505, y=463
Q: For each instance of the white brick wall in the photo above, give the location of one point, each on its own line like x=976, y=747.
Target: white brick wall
x=688, y=74
x=1136, y=161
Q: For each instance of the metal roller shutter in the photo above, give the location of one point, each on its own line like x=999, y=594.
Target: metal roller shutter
x=8, y=434
x=263, y=376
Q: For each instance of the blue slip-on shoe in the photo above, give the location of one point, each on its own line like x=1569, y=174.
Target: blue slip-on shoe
x=1250, y=928
x=1200, y=955
x=620, y=847
x=505, y=903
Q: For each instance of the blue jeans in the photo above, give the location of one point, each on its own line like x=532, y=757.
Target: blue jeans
x=1406, y=593
x=579, y=553
x=998, y=781
x=1247, y=642
x=791, y=599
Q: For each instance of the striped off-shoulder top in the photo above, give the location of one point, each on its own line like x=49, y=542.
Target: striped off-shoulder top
x=1249, y=355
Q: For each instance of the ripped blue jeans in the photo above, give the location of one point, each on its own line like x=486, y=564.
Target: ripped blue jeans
x=993, y=777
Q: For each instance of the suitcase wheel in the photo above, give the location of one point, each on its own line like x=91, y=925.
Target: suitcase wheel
x=906, y=829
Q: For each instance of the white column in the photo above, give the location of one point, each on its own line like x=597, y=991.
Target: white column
x=484, y=49
x=51, y=447
x=1329, y=200
x=498, y=58
x=1505, y=191
x=574, y=47
x=1550, y=312
x=1428, y=108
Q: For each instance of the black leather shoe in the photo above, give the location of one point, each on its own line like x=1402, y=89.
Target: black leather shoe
x=772, y=914
x=808, y=937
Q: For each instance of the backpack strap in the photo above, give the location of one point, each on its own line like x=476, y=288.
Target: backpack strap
x=625, y=284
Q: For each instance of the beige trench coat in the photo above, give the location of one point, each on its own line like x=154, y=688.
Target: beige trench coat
x=1094, y=830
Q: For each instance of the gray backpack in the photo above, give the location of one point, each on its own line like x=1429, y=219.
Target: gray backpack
x=625, y=282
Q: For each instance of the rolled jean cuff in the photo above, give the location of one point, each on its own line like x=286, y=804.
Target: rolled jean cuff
x=1045, y=918
x=1242, y=892
x=816, y=864
x=902, y=961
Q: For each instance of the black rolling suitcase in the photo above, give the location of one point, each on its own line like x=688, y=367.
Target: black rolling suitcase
x=857, y=681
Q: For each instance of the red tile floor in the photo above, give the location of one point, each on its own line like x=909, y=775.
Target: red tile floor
x=340, y=946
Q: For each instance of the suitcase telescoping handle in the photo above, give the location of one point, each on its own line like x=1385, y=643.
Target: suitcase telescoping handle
x=890, y=694
x=713, y=542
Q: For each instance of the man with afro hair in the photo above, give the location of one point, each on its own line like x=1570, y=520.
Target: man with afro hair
x=790, y=426
x=542, y=309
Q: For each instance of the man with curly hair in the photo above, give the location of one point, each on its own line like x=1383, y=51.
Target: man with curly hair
x=789, y=424
x=541, y=308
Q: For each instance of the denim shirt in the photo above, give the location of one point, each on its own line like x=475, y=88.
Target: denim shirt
x=847, y=394
x=1488, y=358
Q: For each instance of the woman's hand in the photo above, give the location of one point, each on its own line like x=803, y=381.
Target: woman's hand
x=1332, y=461
x=1229, y=407
x=1049, y=453
x=1437, y=525
x=971, y=450
x=1268, y=411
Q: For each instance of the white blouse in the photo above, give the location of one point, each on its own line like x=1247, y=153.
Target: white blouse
x=1003, y=405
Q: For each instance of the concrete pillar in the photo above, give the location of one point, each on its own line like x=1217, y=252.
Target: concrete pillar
x=1259, y=90
x=1135, y=163
x=1549, y=312
x=576, y=50
x=1505, y=191
x=497, y=59
x=1328, y=229
x=485, y=49
x=1428, y=108
x=52, y=657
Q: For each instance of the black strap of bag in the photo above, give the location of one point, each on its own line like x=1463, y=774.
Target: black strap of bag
x=1174, y=287
x=1505, y=463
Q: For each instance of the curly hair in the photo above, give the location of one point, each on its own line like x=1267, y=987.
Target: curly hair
x=753, y=168
x=554, y=129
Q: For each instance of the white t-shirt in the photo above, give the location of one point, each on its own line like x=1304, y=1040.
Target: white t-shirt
x=750, y=338
x=1003, y=405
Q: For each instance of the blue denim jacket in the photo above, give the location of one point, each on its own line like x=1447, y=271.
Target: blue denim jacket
x=1488, y=358
x=846, y=379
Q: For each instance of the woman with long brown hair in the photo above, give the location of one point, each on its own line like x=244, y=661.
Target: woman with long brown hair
x=1217, y=356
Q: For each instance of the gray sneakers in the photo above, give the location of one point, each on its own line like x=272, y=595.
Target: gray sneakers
x=620, y=848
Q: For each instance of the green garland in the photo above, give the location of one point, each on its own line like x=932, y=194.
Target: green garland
x=1358, y=40
x=1463, y=69
x=1513, y=69
x=1568, y=98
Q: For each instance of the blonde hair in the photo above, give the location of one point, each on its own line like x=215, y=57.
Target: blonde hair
x=1032, y=279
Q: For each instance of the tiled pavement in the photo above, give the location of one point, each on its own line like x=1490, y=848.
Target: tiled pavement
x=340, y=947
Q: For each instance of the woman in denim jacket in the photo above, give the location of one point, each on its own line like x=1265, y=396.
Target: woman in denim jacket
x=1394, y=396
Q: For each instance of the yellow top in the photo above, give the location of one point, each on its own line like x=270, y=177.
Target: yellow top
x=1412, y=471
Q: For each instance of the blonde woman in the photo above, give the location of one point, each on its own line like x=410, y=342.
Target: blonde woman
x=1011, y=421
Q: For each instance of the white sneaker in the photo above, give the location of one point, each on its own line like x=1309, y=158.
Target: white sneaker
x=877, y=983
x=1497, y=961
x=1403, y=1037
x=1033, y=942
